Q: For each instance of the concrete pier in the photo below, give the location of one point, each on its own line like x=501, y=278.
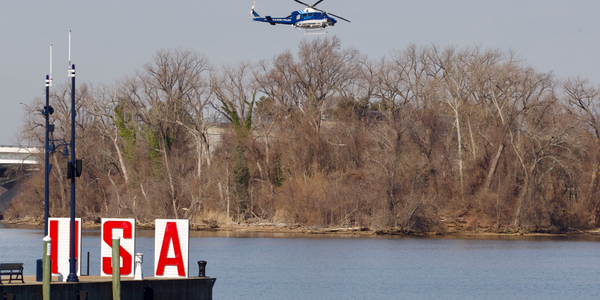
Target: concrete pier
x=100, y=288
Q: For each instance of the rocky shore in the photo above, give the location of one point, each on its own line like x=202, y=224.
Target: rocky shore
x=453, y=228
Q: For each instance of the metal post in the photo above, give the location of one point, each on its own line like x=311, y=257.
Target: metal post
x=46, y=167
x=46, y=263
x=46, y=269
x=116, y=268
x=72, y=259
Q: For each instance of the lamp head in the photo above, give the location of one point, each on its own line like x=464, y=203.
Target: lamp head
x=52, y=148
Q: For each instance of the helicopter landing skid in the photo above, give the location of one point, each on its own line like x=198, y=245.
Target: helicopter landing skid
x=315, y=32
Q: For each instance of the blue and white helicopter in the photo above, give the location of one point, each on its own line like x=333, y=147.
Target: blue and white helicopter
x=308, y=18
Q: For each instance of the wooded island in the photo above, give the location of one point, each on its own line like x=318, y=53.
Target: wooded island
x=418, y=141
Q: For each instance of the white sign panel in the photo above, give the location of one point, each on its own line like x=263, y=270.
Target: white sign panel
x=171, y=248
x=125, y=229
x=59, y=231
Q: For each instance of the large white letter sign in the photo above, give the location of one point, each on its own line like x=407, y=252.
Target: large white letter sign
x=60, y=229
x=171, y=245
x=125, y=228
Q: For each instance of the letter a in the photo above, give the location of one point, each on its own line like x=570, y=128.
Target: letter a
x=171, y=235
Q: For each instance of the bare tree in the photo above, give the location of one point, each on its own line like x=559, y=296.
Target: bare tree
x=168, y=87
x=231, y=88
x=584, y=99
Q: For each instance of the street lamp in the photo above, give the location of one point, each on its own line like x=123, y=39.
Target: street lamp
x=46, y=112
x=72, y=168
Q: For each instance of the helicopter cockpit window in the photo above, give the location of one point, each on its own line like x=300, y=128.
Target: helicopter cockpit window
x=310, y=14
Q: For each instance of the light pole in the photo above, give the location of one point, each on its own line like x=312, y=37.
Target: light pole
x=72, y=168
x=46, y=112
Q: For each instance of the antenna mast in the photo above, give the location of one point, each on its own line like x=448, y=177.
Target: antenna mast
x=69, y=50
x=50, y=76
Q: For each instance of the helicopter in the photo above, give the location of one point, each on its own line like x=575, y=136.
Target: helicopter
x=310, y=18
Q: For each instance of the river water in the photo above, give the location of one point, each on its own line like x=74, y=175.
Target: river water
x=302, y=266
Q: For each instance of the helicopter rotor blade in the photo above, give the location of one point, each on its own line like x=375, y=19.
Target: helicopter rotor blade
x=338, y=17
x=317, y=3
x=333, y=15
x=302, y=3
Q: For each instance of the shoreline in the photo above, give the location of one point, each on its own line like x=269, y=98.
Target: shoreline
x=298, y=229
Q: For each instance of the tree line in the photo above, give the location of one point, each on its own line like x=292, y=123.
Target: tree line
x=329, y=137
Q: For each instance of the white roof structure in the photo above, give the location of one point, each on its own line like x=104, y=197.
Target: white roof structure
x=14, y=155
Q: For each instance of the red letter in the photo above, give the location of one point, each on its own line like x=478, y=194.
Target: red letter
x=171, y=234
x=54, y=245
x=76, y=242
x=107, y=237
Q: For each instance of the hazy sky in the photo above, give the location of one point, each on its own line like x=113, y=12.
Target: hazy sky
x=111, y=39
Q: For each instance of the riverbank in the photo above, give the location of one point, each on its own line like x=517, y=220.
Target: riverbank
x=447, y=228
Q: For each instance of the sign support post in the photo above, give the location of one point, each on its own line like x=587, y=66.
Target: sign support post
x=116, y=268
x=46, y=268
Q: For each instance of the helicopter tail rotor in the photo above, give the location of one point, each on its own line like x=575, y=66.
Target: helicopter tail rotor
x=252, y=12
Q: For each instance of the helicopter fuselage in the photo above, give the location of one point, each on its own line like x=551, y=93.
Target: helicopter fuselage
x=306, y=19
x=310, y=19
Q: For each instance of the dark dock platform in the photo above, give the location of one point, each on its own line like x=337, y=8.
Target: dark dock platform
x=100, y=288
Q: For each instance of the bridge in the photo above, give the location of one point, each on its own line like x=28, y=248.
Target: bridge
x=15, y=155
x=12, y=159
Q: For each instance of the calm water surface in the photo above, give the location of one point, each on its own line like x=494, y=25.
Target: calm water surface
x=286, y=266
